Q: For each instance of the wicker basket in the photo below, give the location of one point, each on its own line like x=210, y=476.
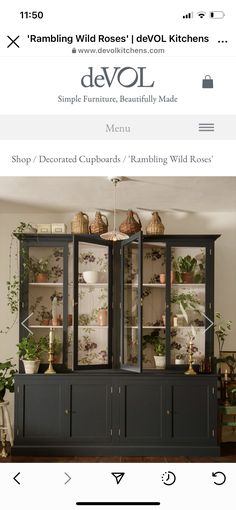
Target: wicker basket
x=155, y=226
x=98, y=226
x=80, y=223
x=130, y=225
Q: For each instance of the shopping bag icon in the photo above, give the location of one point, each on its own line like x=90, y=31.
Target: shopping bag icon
x=207, y=82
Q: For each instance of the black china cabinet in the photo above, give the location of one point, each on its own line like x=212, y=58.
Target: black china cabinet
x=123, y=315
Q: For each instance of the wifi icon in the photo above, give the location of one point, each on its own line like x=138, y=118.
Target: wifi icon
x=201, y=14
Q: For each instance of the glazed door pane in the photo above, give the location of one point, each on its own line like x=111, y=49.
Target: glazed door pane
x=94, y=307
x=45, y=300
x=131, y=304
x=154, y=305
x=188, y=304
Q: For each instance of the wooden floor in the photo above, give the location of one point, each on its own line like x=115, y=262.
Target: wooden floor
x=228, y=454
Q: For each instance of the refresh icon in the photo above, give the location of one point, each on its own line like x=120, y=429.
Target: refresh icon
x=220, y=478
x=168, y=478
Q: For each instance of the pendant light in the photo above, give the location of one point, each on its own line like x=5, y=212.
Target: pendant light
x=114, y=235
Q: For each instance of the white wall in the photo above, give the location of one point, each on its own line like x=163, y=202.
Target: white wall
x=178, y=223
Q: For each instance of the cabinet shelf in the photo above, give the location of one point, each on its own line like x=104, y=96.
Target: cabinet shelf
x=93, y=284
x=47, y=284
x=146, y=327
x=195, y=285
x=188, y=327
x=44, y=327
x=157, y=285
x=92, y=326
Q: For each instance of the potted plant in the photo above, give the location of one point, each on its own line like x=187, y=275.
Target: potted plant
x=44, y=316
x=30, y=351
x=159, y=347
x=180, y=359
x=40, y=269
x=185, y=268
x=7, y=372
x=160, y=351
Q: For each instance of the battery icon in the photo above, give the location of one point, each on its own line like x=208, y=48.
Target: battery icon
x=217, y=14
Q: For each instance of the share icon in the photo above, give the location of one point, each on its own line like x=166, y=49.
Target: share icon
x=118, y=477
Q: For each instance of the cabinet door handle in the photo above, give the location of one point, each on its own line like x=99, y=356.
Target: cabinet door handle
x=67, y=411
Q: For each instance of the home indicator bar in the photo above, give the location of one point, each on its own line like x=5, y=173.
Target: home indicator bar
x=119, y=503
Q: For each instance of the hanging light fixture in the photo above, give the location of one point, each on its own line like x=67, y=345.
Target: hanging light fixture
x=114, y=235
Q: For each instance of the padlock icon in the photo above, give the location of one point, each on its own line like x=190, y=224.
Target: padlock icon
x=207, y=82
x=73, y=50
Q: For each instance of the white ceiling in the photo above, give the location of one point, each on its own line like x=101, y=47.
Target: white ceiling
x=72, y=194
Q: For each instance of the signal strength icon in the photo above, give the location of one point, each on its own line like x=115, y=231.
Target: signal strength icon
x=201, y=14
x=188, y=16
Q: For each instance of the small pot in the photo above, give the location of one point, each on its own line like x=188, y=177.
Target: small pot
x=31, y=367
x=103, y=317
x=162, y=278
x=45, y=322
x=179, y=361
x=172, y=277
x=187, y=277
x=160, y=362
x=41, y=278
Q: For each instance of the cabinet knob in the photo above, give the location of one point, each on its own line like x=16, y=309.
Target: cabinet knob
x=66, y=411
x=168, y=412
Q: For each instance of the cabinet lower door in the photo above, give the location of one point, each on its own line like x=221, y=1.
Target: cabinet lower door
x=141, y=412
x=192, y=412
x=39, y=411
x=90, y=414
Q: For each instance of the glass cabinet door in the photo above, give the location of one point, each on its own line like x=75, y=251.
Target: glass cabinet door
x=93, y=303
x=154, y=305
x=131, y=303
x=45, y=298
x=188, y=314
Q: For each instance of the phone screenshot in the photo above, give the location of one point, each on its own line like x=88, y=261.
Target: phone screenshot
x=118, y=249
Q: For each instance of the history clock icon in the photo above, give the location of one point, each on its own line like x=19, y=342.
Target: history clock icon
x=168, y=478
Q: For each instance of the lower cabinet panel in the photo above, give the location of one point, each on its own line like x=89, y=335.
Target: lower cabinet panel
x=191, y=413
x=141, y=412
x=39, y=412
x=115, y=415
x=91, y=412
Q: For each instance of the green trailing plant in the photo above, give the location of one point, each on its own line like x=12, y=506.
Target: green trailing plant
x=188, y=300
x=222, y=328
x=13, y=282
x=7, y=373
x=31, y=349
